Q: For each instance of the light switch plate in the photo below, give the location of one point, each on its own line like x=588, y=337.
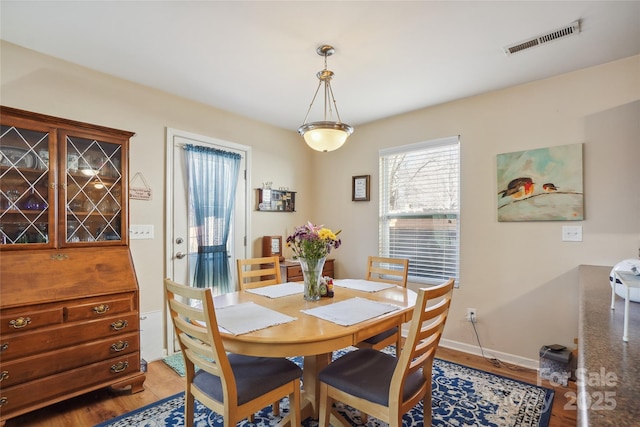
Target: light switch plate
x=572, y=233
x=139, y=232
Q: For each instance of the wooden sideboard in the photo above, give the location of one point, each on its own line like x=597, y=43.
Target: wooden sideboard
x=291, y=271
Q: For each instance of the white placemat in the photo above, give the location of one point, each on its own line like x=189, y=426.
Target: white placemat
x=362, y=285
x=351, y=311
x=248, y=317
x=280, y=290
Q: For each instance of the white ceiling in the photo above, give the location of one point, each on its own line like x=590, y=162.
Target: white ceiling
x=258, y=58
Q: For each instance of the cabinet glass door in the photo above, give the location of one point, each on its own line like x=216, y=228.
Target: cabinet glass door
x=93, y=191
x=26, y=190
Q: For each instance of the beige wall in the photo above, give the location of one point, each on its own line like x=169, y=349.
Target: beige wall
x=47, y=85
x=520, y=277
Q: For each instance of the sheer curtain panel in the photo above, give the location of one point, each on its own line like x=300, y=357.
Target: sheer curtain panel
x=212, y=178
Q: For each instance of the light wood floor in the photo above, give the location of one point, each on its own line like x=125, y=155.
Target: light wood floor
x=93, y=408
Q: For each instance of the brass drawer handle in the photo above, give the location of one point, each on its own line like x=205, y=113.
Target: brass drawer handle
x=3, y=401
x=20, y=322
x=4, y=375
x=119, y=325
x=119, y=346
x=119, y=367
x=101, y=309
x=4, y=347
x=59, y=257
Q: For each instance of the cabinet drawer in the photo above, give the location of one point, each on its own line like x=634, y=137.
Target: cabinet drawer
x=295, y=271
x=23, y=320
x=58, y=386
x=100, y=307
x=29, y=343
x=29, y=368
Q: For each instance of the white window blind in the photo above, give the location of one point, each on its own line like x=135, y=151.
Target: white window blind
x=420, y=208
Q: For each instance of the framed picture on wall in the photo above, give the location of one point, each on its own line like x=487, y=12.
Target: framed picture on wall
x=360, y=188
x=543, y=184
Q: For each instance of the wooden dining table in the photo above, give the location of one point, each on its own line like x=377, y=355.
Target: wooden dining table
x=311, y=337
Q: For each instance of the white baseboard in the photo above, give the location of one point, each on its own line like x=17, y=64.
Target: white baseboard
x=489, y=353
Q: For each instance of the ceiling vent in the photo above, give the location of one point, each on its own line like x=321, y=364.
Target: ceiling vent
x=572, y=29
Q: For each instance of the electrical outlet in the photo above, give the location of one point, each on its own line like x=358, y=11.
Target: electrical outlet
x=472, y=315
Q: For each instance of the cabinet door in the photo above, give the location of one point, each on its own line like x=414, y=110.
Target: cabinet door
x=27, y=186
x=93, y=194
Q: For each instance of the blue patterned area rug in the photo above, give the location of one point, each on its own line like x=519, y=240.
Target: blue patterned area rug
x=462, y=396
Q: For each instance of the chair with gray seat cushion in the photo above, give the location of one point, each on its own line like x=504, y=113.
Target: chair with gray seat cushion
x=384, y=386
x=386, y=270
x=256, y=273
x=232, y=385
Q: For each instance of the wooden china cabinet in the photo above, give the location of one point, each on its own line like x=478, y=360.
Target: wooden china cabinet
x=69, y=302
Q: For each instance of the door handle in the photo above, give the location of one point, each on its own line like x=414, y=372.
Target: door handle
x=180, y=255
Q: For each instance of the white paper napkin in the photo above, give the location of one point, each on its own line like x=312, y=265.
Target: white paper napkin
x=248, y=317
x=280, y=290
x=351, y=311
x=362, y=285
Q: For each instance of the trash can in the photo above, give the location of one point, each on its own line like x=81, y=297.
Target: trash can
x=556, y=364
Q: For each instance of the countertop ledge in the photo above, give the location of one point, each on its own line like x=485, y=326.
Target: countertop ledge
x=608, y=377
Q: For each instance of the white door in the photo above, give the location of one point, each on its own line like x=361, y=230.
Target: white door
x=181, y=246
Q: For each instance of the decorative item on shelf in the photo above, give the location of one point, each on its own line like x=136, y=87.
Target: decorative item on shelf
x=12, y=197
x=44, y=159
x=310, y=245
x=34, y=202
x=325, y=135
x=72, y=163
x=17, y=157
x=272, y=246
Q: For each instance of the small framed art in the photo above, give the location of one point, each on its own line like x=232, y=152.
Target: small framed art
x=360, y=188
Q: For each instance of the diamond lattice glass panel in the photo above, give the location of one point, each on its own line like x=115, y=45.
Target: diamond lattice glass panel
x=24, y=185
x=94, y=190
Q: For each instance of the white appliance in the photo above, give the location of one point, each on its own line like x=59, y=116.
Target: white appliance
x=629, y=266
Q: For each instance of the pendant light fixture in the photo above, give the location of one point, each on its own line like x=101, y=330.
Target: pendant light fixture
x=325, y=135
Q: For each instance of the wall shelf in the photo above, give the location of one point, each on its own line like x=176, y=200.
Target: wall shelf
x=276, y=200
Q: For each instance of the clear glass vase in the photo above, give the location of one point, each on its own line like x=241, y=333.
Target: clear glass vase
x=312, y=272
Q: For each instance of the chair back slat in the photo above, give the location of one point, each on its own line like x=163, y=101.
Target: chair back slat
x=258, y=272
x=388, y=270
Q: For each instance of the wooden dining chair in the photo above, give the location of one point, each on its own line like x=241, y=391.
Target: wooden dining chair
x=232, y=385
x=381, y=385
x=386, y=270
x=258, y=272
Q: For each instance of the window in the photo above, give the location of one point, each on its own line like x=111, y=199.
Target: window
x=420, y=208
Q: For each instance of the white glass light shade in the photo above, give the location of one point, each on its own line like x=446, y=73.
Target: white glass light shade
x=325, y=136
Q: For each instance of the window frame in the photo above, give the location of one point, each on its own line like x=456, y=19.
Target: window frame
x=451, y=252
